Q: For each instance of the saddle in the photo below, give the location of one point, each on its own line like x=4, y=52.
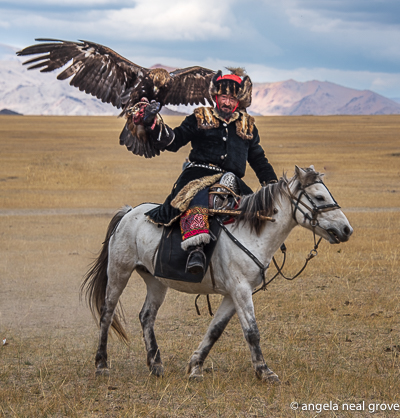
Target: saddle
x=224, y=196
x=171, y=259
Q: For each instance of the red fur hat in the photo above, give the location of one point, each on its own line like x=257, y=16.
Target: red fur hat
x=236, y=84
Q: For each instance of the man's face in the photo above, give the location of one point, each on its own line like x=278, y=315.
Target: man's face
x=227, y=103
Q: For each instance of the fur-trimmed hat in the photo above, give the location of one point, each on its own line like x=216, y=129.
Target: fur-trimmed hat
x=236, y=84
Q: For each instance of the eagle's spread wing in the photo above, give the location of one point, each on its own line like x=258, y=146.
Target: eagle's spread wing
x=98, y=70
x=189, y=86
x=95, y=69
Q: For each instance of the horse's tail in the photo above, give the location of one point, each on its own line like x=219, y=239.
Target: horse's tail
x=95, y=281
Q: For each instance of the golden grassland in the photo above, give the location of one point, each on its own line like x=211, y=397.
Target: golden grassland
x=332, y=335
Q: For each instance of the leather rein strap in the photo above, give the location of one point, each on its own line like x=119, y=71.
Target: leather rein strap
x=315, y=210
x=260, y=265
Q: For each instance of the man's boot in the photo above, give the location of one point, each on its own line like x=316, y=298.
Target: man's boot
x=196, y=262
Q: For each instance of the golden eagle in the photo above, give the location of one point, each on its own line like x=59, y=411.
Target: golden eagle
x=101, y=72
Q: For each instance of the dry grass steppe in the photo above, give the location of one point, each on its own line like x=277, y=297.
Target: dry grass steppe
x=332, y=335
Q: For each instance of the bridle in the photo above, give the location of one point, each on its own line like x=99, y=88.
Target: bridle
x=313, y=209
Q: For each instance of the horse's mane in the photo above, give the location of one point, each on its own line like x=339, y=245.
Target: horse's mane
x=263, y=201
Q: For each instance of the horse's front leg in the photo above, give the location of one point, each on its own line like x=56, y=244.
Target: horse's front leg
x=242, y=298
x=223, y=315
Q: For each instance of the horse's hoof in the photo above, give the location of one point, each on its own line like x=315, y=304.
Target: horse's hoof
x=194, y=377
x=102, y=372
x=267, y=375
x=273, y=378
x=196, y=374
x=157, y=370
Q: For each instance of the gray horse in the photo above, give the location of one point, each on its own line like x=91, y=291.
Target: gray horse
x=132, y=242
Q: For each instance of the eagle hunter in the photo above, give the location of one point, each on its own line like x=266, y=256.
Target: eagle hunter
x=101, y=72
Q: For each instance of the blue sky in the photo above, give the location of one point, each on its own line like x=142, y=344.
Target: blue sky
x=355, y=43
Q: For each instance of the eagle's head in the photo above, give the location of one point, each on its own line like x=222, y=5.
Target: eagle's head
x=160, y=78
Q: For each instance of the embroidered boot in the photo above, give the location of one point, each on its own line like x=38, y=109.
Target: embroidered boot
x=196, y=262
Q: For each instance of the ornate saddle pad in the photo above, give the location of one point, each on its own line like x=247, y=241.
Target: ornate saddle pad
x=171, y=259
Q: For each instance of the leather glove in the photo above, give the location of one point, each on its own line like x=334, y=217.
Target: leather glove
x=150, y=113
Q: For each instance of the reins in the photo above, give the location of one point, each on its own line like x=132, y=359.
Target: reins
x=315, y=210
x=313, y=253
x=245, y=250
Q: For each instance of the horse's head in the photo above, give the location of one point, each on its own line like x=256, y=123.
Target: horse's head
x=315, y=208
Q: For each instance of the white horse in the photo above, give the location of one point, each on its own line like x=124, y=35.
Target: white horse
x=132, y=243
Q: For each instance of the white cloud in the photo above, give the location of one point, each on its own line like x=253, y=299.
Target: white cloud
x=174, y=20
x=32, y=5
x=154, y=20
x=341, y=25
x=4, y=24
x=359, y=13
x=311, y=20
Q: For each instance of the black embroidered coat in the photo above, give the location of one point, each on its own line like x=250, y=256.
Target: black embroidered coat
x=225, y=144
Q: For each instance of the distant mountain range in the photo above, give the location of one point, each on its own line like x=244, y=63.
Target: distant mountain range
x=9, y=112
x=318, y=98
x=35, y=93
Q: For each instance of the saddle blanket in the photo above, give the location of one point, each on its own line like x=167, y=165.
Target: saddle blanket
x=171, y=259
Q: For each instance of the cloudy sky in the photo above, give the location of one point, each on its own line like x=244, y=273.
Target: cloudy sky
x=355, y=43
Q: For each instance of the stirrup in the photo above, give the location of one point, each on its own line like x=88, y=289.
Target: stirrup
x=196, y=262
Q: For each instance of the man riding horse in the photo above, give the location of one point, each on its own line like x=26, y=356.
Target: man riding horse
x=223, y=139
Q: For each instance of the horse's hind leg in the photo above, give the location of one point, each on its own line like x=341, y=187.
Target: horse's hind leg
x=223, y=315
x=117, y=281
x=156, y=292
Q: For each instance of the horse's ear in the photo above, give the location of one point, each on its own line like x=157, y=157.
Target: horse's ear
x=313, y=169
x=299, y=171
